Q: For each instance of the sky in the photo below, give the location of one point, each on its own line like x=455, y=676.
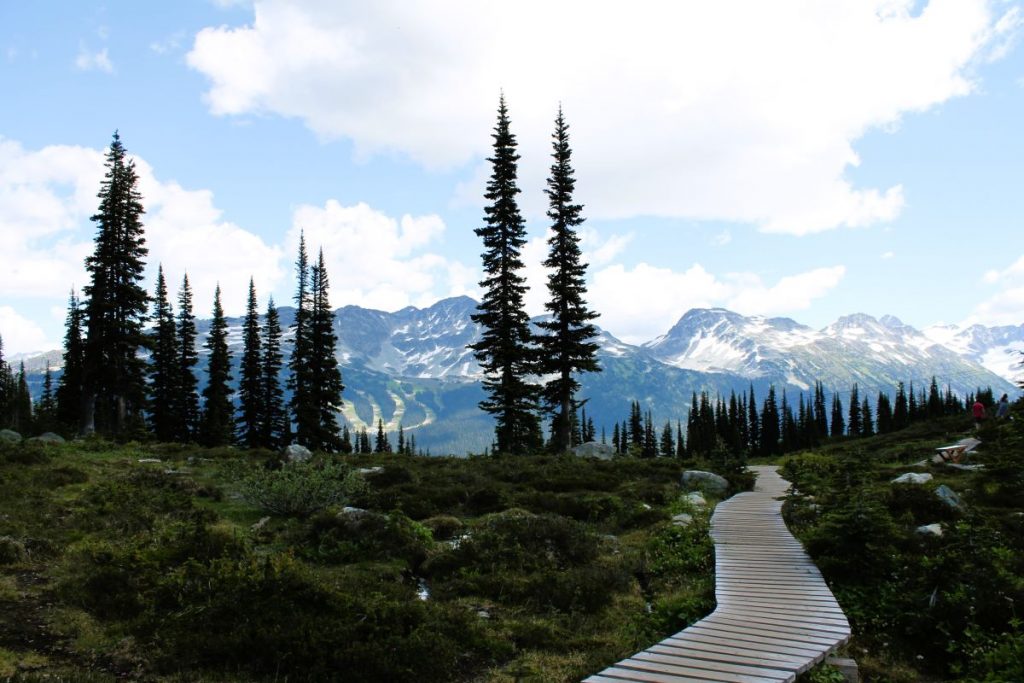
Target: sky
x=792, y=158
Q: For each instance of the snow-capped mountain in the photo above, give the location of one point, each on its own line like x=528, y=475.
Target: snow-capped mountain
x=412, y=367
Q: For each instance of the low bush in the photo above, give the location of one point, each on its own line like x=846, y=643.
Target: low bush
x=299, y=489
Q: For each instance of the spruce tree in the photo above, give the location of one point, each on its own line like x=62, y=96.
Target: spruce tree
x=217, y=424
x=21, y=414
x=250, y=376
x=7, y=389
x=186, y=411
x=900, y=412
x=69, y=386
x=164, y=383
x=838, y=425
x=667, y=447
x=883, y=413
x=273, y=416
x=854, y=425
x=303, y=410
x=867, y=424
x=820, y=411
x=46, y=407
x=324, y=375
x=382, y=444
x=505, y=348
x=770, y=425
x=115, y=304
x=566, y=346
x=754, y=423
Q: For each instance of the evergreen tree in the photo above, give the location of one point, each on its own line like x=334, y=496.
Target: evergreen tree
x=790, y=433
x=115, y=304
x=754, y=423
x=217, y=424
x=854, y=425
x=566, y=346
x=382, y=444
x=273, y=416
x=401, y=438
x=7, y=390
x=680, y=444
x=820, y=412
x=912, y=412
x=504, y=350
x=636, y=426
x=838, y=426
x=303, y=411
x=22, y=407
x=900, y=412
x=770, y=425
x=250, y=377
x=616, y=444
x=324, y=373
x=46, y=407
x=186, y=411
x=346, y=440
x=883, y=413
x=69, y=386
x=163, y=364
x=667, y=446
x=364, y=442
x=867, y=425
x=934, y=405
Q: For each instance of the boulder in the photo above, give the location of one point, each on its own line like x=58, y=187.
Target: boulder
x=9, y=436
x=370, y=470
x=259, y=526
x=593, y=449
x=930, y=530
x=948, y=496
x=47, y=438
x=296, y=453
x=913, y=478
x=682, y=519
x=709, y=482
x=696, y=499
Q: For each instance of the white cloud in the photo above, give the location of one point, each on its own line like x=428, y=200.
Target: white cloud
x=88, y=60
x=47, y=196
x=21, y=335
x=735, y=110
x=376, y=261
x=886, y=255
x=640, y=303
x=1006, y=305
x=721, y=239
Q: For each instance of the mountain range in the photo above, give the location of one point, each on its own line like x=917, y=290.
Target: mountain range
x=412, y=367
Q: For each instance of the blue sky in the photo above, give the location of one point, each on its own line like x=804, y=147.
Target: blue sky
x=801, y=159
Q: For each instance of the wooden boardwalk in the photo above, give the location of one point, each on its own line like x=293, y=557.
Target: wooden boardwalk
x=776, y=617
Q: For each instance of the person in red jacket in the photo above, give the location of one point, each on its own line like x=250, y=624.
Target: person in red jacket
x=978, y=410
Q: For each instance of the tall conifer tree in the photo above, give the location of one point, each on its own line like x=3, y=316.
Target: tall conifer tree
x=837, y=426
x=504, y=350
x=186, y=411
x=303, y=411
x=770, y=431
x=46, y=407
x=273, y=416
x=566, y=345
x=115, y=304
x=164, y=383
x=324, y=373
x=217, y=425
x=22, y=418
x=250, y=376
x=854, y=424
x=69, y=386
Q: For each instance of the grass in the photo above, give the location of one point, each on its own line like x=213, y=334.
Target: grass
x=154, y=570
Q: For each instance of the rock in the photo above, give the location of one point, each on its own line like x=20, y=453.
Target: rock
x=355, y=512
x=913, y=478
x=645, y=506
x=948, y=496
x=696, y=499
x=709, y=482
x=593, y=449
x=965, y=468
x=47, y=438
x=9, y=436
x=682, y=519
x=260, y=525
x=930, y=530
x=149, y=460
x=296, y=453
x=370, y=470
x=483, y=613
x=11, y=550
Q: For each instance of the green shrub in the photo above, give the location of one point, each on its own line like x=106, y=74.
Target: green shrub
x=299, y=489
x=444, y=527
x=361, y=536
x=11, y=550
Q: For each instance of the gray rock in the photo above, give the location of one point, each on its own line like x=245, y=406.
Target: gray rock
x=930, y=530
x=682, y=519
x=948, y=496
x=47, y=438
x=260, y=525
x=913, y=478
x=9, y=436
x=149, y=460
x=709, y=482
x=370, y=470
x=593, y=449
x=296, y=453
x=349, y=510
x=696, y=499
x=965, y=468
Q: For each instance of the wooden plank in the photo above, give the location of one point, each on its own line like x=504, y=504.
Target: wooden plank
x=624, y=674
x=741, y=632
x=762, y=673
x=731, y=621
x=735, y=655
x=709, y=674
x=682, y=638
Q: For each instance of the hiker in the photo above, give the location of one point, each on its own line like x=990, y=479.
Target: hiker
x=978, y=410
x=1003, y=407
